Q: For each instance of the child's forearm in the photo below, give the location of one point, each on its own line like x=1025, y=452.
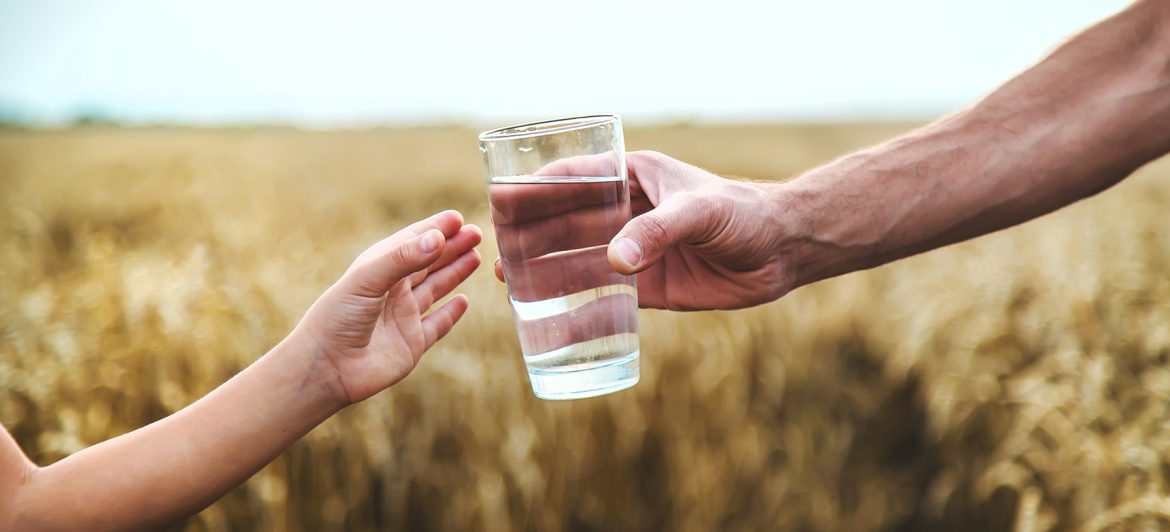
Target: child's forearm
x=365, y=333
x=173, y=468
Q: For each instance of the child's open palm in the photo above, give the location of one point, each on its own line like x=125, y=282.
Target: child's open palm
x=370, y=325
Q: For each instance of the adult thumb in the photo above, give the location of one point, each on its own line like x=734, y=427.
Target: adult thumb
x=646, y=238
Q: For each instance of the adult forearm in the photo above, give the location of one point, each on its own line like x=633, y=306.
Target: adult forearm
x=173, y=468
x=1087, y=116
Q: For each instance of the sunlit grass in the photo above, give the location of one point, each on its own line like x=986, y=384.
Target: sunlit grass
x=1021, y=380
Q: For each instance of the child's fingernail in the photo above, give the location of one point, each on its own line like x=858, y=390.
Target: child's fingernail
x=430, y=241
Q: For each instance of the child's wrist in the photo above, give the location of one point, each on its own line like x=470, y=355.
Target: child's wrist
x=321, y=376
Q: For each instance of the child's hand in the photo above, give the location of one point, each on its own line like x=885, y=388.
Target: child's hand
x=365, y=333
x=369, y=326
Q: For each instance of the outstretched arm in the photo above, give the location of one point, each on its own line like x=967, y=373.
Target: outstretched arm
x=1078, y=122
x=364, y=334
x=1090, y=114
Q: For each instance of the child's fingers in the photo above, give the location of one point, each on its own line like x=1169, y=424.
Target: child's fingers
x=447, y=222
x=442, y=281
x=468, y=237
x=499, y=271
x=439, y=323
x=374, y=275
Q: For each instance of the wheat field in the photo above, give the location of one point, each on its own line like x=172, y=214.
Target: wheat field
x=1019, y=381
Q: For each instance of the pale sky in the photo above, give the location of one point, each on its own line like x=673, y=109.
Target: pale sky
x=364, y=62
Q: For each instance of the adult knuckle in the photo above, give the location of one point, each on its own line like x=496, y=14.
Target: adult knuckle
x=705, y=204
x=655, y=229
x=696, y=200
x=651, y=160
x=647, y=155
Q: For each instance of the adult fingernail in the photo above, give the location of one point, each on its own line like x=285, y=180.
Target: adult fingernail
x=628, y=251
x=430, y=241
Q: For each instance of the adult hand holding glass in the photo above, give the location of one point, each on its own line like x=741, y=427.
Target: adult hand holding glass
x=697, y=241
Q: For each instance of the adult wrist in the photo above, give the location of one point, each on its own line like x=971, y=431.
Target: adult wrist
x=790, y=209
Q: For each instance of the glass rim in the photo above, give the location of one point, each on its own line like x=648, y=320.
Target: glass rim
x=546, y=127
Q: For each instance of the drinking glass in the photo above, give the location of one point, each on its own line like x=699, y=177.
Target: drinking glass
x=558, y=193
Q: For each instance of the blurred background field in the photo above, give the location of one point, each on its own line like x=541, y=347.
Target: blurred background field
x=1019, y=381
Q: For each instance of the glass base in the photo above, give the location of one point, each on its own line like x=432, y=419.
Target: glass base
x=615, y=376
